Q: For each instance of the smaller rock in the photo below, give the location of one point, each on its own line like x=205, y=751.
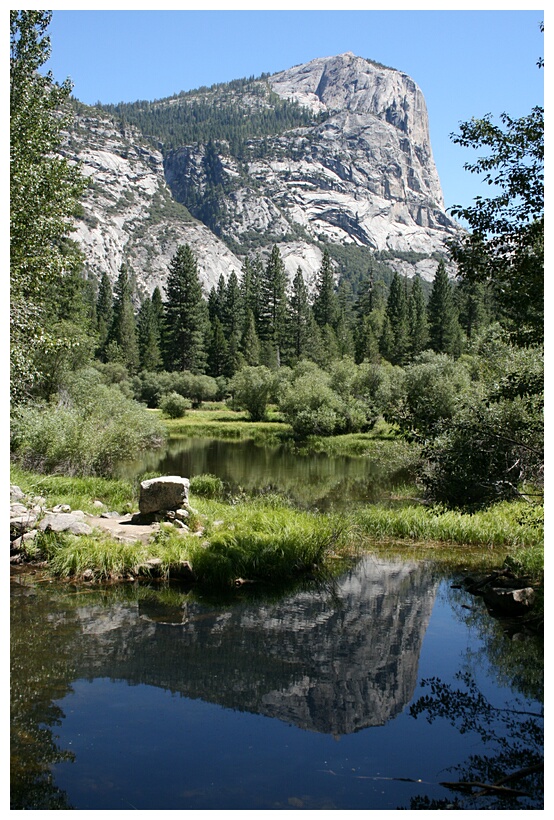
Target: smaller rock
x=61, y=508
x=16, y=493
x=22, y=523
x=18, y=509
x=181, y=515
x=18, y=543
x=64, y=522
x=510, y=601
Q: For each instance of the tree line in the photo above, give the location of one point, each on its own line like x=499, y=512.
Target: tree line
x=260, y=318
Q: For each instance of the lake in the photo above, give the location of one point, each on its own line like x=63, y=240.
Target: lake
x=311, y=480
x=370, y=692
x=149, y=697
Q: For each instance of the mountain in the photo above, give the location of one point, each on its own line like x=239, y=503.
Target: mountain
x=335, y=152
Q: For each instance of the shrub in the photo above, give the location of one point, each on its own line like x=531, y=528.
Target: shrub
x=86, y=430
x=428, y=394
x=174, y=406
x=250, y=389
x=206, y=486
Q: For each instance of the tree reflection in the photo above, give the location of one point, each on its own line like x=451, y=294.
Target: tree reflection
x=510, y=775
x=40, y=674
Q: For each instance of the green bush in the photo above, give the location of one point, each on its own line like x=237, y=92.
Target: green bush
x=85, y=430
x=251, y=389
x=174, y=406
x=206, y=486
x=427, y=394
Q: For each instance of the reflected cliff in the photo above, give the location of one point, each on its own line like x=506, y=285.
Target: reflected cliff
x=328, y=662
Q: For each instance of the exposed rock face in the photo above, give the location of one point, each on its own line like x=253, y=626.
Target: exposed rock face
x=363, y=173
x=129, y=213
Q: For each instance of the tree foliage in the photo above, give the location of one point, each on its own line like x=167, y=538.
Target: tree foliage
x=44, y=189
x=505, y=245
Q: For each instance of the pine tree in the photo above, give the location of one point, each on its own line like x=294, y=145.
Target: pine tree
x=104, y=313
x=325, y=300
x=299, y=317
x=473, y=309
x=273, y=309
x=232, y=312
x=249, y=343
x=417, y=318
x=252, y=272
x=397, y=340
x=217, y=350
x=444, y=328
x=185, y=315
x=122, y=345
x=148, y=334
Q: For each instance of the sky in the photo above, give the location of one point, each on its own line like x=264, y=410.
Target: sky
x=467, y=62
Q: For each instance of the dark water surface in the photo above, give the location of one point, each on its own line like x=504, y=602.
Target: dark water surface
x=310, y=479
x=150, y=697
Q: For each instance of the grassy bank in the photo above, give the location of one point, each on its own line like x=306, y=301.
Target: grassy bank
x=266, y=540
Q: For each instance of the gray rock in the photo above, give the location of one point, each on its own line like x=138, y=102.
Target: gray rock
x=163, y=493
x=61, y=508
x=16, y=493
x=64, y=522
x=510, y=601
x=18, y=543
x=22, y=523
x=18, y=509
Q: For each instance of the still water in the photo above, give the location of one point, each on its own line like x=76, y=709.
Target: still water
x=151, y=697
x=314, y=480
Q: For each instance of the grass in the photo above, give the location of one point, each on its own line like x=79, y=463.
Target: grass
x=266, y=540
x=79, y=493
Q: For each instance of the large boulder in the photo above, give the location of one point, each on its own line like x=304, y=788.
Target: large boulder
x=169, y=492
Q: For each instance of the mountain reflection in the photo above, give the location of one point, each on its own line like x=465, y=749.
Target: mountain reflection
x=331, y=663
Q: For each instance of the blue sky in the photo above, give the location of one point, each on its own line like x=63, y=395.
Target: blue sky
x=466, y=62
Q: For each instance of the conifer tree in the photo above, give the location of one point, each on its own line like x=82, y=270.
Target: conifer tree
x=217, y=350
x=417, y=318
x=299, y=317
x=444, y=328
x=473, y=308
x=232, y=310
x=397, y=340
x=250, y=344
x=252, y=272
x=185, y=315
x=122, y=345
x=148, y=333
x=273, y=309
x=325, y=299
x=104, y=312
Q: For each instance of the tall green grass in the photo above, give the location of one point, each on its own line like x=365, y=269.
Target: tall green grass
x=497, y=526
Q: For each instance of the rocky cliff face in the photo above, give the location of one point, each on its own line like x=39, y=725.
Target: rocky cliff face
x=129, y=213
x=362, y=173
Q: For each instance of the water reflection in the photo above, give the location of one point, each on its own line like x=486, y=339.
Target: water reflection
x=313, y=480
x=265, y=688
x=332, y=664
